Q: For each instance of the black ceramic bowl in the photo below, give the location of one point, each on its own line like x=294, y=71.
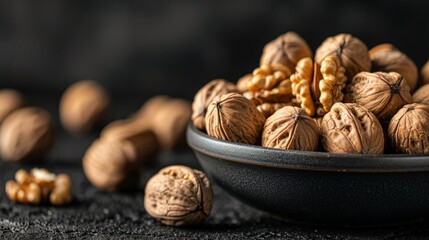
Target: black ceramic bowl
x=318, y=187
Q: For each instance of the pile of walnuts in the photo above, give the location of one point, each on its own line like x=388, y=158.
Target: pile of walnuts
x=345, y=99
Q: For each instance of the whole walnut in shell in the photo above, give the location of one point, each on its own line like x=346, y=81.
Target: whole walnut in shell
x=26, y=135
x=381, y=93
x=234, y=118
x=421, y=95
x=351, y=52
x=351, y=128
x=409, y=129
x=10, y=100
x=390, y=59
x=287, y=49
x=178, y=195
x=83, y=105
x=290, y=128
x=424, y=74
x=205, y=96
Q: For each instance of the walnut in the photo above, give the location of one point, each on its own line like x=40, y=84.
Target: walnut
x=178, y=195
x=40, y=186
x=381, y=93
x=287, y=49
x=26, y=135
x=243, y=82
x=424, y=74
x=351, y=128
x=204, y=97
x=290, y=128
x=270, y=83
x=268, y=109
x=386, y=58
x=83, y=105
x=10, y=101
x=316, y=87
x=421, y=95
x=112, y=164
x=409, y=129
x=167, y=118
x=351, y=52
x=234, y=118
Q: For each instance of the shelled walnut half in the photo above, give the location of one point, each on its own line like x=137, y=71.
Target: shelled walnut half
x=318, y=87
x=40, y=186
x=178, y=195
x=350, y=128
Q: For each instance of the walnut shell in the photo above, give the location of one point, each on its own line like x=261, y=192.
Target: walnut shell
x=409, y=129
x=10, y=101
x=26, y=135
x=112, y=165
x=389, y=59
x=167, y=118
x=287, y=49
x=205, y=96
x=424, y=74
x=381, y=93
x=290, y=128
x=83, y=105
x=421, y=95
x=352, y=53
x=178, y=195
x=233, y=117
x=351, y=128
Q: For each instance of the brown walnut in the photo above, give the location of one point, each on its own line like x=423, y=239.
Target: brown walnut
x=390, y=59
x=421, y=95
x=83, y=105
x=178, y=195
x=205, y=96
x=243, y=82
x=381, y=93
x=409, y=129
x=290, y=128
x=268, y=109
x=424, y=74
x=26, y=135
x=233, y=117
x=351, y=128
x=287, y=49
x=351, y=52
x=10, y=100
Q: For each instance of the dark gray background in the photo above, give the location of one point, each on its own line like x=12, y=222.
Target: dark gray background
x=144, y=48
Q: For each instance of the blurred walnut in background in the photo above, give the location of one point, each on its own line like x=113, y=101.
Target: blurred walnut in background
x=424, y=73
x=386, y=58
x=10, y=100
x=83, y=105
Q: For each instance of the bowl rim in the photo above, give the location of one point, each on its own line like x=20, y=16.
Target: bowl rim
x=303, y=160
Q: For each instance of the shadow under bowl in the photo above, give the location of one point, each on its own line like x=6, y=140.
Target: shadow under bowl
x=318, y=187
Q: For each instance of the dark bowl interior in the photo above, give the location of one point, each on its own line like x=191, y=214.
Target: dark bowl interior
x=318, y=187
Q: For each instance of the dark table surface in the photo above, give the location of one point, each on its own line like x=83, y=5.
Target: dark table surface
x=122, y=215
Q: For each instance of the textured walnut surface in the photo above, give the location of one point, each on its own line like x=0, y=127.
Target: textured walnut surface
x=350, y=128
x=408, y=130
x=421, y=95
x=381, y=93
x=290, y=128
x=424, y=74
